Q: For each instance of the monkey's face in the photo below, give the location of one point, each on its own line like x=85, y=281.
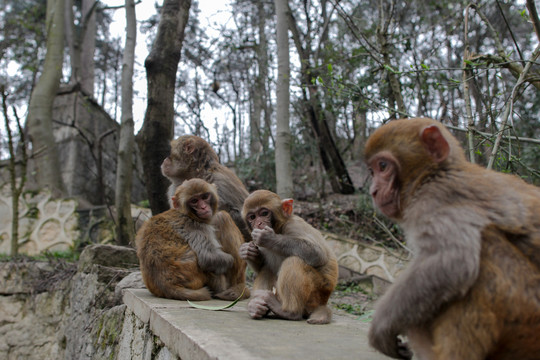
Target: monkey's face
x=174, y=167
x=201, y=205
x=384, y=187
x=259, y=218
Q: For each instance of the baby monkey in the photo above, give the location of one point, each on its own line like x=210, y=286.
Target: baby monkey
x=191, y=252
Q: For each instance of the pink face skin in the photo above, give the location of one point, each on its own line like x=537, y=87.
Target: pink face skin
x=260, y=218
x=201, y=205
x=384, y=188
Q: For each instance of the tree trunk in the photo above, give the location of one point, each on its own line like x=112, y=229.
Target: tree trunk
x=395, y=98
x=157, y=130
x=283, y=132
x=125, y=232
x=331, y=158
x=40, y=109
x=88, y=46
x=258, y=132
x=72, y=44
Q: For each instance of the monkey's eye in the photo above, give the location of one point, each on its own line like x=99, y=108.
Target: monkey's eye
x=205, y=196
x=264, y=213
x=251, y=217
x=193, y=201
x=383, y=165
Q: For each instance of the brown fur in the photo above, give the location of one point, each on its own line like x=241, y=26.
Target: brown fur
x=185, y=258
x=192, y=157
x=473, y=289
x=291, y=256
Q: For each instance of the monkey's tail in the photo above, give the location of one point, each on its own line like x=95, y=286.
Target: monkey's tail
x=181, y=293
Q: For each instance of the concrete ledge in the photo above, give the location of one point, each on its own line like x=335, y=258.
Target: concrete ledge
x=231, y=334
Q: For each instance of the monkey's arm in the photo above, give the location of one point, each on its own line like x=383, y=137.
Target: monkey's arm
x=210, y=256
x=445, y=268
x=292, y=243
x=251, y=253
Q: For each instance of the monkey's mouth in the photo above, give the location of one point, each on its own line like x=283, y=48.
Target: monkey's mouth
x=204, y=214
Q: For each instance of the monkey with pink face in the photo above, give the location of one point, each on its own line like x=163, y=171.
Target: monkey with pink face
x=191, y=252
x=473, y=289
x=289, y=255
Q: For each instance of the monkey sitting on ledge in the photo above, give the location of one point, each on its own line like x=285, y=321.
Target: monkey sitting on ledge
x=289, y=254
x=193, y=157
x=191, y=252
x=473, y=289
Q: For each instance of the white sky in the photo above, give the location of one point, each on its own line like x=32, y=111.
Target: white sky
x=211, y=12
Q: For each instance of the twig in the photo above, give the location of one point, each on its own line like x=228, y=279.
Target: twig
x=389, y=233
x=466, y=94
x=510, y=107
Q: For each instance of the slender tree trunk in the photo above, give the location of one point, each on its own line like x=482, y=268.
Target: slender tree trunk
x=331, y=159
x=69, y=33
x=395, y=96
x=125, y=233
x=258, y=141
x=283, y=132
x=157, y=130
x=40, y=108
x=16, y=189
x=88, y=46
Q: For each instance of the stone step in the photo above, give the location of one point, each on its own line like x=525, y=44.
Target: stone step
x=192, y=333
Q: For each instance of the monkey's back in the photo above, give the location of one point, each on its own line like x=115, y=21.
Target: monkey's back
x=168, y=264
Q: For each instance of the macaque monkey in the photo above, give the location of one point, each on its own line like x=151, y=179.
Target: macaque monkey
x=289, y=254
x=192, y=157
x=473, y=290
x=190, y=252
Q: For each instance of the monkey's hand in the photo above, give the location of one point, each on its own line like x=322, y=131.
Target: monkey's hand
x=257, y=306
x=386, y=340
x=264, y=237
x=249, y=251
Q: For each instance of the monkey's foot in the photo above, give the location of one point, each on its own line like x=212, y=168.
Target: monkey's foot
x=257, y=308
x=321, y=315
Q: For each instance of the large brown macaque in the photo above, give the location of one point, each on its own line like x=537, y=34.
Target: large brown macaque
x=192, y=157
x=289, y=255
x=473, y=290
x=191, y=252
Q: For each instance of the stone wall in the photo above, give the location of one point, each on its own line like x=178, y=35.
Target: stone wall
x=44, y=224
x=87, y=139
x=367, y=259
x=52, y=225
x=57, y=310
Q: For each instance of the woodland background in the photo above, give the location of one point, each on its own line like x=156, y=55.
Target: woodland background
x=294, y=88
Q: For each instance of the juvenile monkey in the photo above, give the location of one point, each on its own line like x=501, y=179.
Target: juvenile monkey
x=289, y=254
x=473, y=290
x=192, y=157
x=190, y=252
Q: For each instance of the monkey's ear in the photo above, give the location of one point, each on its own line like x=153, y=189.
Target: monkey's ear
x=174, y=202
x=189, y=146
x=435, y=143
x=286, y=205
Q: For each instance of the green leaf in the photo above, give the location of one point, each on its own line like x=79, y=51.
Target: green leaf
x=389, y=68
x=367, y=317
x=216, y=308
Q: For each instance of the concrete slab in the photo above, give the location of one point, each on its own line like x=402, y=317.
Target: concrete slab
x=231, y=334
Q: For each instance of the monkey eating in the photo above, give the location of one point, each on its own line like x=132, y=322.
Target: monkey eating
x=472, y=290
x=191, y=252
x=192, y=157
x=289, y=254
